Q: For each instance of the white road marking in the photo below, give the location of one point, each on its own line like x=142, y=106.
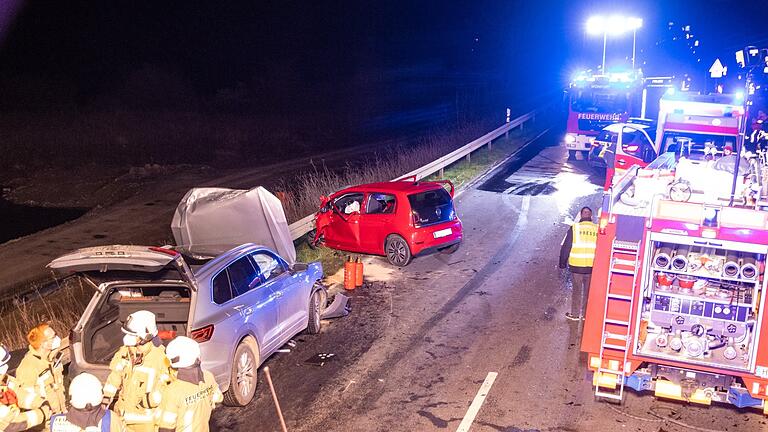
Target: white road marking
x=477, y=402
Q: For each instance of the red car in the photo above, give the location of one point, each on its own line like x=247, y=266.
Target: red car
x=399, y=220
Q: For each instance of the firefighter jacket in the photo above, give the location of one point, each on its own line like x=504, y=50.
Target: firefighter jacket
x=578, y=248
x=12, y=419
x=187, y=407
x=41, y=380
x=110, y=422
x=138, y=377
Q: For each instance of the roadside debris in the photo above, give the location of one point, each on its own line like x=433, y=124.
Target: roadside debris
x=340, y=307
x=320, y=359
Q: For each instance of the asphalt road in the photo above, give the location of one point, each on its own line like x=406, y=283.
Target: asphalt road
x=417, y=347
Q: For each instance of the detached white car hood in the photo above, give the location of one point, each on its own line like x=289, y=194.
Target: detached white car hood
x=210, y=221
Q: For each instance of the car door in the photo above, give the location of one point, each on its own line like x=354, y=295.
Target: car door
x=292, y=293
x=253, y=304
x=343, y=231
x=634, y=148
x=376, y=221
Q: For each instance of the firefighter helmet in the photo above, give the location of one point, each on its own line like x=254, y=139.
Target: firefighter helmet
x=5, y=357
x=141, y=324
x=183, y=352
x=85, y=389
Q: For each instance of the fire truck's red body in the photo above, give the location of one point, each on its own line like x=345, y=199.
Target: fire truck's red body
x=677, y=299
x=596, y=101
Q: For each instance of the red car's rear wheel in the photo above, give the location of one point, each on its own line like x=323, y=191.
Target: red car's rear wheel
x=397, y=250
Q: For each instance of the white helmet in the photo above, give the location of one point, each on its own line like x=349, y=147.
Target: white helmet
x=5, y=357
x=141, y=324
x=85, y=389
x=183, y=352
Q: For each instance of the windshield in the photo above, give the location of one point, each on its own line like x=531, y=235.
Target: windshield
x=599, y=101
x=697, y=145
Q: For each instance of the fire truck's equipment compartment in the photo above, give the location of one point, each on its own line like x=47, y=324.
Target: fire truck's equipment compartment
x=700, y=301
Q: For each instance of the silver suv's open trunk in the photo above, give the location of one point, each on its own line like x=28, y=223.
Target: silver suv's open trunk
x=101, y=335
x=128, y=278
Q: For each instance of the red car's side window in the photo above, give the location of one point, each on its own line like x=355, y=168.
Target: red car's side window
x=349, y=203
x=380, y=203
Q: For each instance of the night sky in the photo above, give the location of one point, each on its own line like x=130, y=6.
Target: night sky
x=305, y=55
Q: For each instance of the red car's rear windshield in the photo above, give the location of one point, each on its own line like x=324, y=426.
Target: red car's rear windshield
x=432, y=206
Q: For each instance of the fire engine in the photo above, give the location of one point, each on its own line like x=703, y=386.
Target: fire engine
x=677, y=300
x=596, y=101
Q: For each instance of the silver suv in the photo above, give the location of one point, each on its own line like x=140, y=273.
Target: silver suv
x=241, y=306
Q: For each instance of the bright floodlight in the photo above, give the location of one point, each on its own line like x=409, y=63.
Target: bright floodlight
x=616, y=25
x=634, y=23
x=613, y=25
x=596, y=25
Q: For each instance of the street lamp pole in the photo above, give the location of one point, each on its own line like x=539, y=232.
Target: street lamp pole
x=634, y=43
x=605, y=42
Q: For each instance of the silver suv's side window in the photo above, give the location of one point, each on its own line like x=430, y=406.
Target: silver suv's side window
x=268, y=265
x=243, y=276
x=222, y=289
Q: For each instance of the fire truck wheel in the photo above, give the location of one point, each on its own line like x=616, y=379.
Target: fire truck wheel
x=571, y=154
x=584, y=155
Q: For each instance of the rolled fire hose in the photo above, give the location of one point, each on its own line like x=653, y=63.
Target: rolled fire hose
x=748, y=266
x=731, y=268
x=663, y=257
x=680, y=260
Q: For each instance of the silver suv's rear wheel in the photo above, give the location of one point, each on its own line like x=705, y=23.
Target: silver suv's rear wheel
x=244, y=374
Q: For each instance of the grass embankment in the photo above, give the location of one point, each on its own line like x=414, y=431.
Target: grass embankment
x=61, y=309
x=460, y=173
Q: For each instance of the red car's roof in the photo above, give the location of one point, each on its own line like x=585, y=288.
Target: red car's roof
x=395, y=186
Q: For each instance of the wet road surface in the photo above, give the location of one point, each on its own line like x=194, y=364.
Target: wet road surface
x=418, y=347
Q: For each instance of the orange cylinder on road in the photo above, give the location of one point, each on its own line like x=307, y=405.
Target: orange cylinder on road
x=349, y=274
x=358, y=273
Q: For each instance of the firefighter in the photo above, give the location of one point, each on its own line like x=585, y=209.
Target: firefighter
x=40, y=375
x=138, y=373
x=192, y=395
x=12, y=419
x=578, y=253
x=86, y=413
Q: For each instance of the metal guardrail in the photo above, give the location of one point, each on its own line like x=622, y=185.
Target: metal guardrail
x=307, y=223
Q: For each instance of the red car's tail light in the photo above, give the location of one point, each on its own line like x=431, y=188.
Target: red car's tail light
x=202, y=334
x=415, y=217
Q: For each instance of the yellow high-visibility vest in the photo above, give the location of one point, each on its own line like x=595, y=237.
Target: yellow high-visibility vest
x=584, y=243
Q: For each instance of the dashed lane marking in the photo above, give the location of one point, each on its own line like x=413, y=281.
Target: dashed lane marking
x=477, y=403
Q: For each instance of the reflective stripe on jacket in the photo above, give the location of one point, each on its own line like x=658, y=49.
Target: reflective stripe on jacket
x=584, y=243
x=12, y=419
x=187, y=407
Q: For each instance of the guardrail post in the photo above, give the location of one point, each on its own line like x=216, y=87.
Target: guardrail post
x=522, y=126
x=469, y=158
x=442, y=173
x=490, y=144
